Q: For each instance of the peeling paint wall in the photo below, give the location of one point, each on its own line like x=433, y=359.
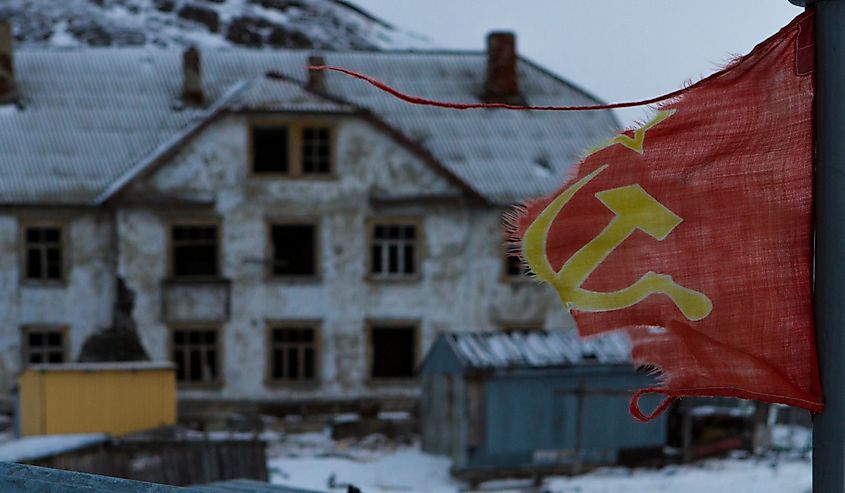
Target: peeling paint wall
x=83, y=303
x=460, y=287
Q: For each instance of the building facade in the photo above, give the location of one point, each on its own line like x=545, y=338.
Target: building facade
x=280, y=235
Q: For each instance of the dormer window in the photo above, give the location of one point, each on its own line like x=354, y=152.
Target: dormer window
x=270, y=149
x=316, y=151
x=291, y=149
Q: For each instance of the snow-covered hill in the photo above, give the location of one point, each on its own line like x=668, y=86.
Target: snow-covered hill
x=329, y=24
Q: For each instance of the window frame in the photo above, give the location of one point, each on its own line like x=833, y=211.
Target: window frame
x=382, y=323
x=295, y=128
x=218, y=382
x=64, y=239
x=419, y=246
x=270, y=248
x=317, y=327
x=194, y=221
x=26, y=330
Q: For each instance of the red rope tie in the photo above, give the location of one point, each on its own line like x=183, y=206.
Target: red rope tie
x=660, y=409
x=467, y=106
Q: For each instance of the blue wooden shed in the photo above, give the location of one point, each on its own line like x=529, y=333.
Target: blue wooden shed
x=527, y=402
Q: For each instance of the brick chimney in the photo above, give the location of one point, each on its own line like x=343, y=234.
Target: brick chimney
x=502, y=84
x=8, y=90
x=192, y=94
x=316, y=78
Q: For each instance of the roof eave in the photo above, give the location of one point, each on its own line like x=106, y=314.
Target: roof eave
x=168, y=148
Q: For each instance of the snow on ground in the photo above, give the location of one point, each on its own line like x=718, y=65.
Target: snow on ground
x=792, y=438
x=718, y=475
x=376, y=465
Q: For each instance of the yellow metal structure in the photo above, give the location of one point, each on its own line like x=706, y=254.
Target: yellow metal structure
x=114, y=398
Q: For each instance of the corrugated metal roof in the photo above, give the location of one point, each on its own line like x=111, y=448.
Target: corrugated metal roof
x=538, y=349
x=264, y=94
x=89, y=117
x=16, y=478
x=22, y=478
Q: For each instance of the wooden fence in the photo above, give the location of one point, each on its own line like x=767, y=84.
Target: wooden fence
x=175, y=462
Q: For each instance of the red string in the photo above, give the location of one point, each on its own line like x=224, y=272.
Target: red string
x=634, y=407
x=467, y=106
x=627, y=104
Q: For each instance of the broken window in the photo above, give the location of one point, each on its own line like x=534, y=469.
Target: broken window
x=394, y=251
x=43, y=253
x=515, y=268
x=294, y=249
x=43, y=345
x=316, y=150
x=196, y=355
x=393, y=350
x=194, y=250
x=291, y=148
x=270, y=149
x=293, y=354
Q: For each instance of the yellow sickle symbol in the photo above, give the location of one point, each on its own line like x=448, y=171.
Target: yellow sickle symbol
x=634, y=209
x=636, y=142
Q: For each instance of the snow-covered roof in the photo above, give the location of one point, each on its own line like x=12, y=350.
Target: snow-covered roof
x=537, y=349
x=89, y=117
x=276, y=94
x=41, y=446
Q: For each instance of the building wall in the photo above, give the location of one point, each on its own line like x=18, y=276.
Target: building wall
x=81, y=304
x=460, y=287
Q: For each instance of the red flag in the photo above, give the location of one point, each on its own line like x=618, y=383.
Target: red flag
x=693, y=233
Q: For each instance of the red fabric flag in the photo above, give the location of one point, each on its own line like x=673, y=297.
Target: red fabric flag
x=693, y=233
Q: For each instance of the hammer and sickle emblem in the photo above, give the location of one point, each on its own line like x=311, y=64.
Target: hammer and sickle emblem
x=634, y=209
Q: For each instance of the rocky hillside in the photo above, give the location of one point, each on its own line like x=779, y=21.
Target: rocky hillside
x=329, y=24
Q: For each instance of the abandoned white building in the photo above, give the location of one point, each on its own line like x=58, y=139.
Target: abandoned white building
x=283, y=236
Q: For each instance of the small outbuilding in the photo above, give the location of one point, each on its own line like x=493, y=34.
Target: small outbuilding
x=531, y=403
x=115, y=398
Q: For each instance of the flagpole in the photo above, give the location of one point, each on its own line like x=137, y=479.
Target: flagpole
x=829, y=301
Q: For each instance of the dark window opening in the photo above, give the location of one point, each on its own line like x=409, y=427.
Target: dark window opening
x=294, y=249
x=316, y=150
x=393, y=351
x=43, y=253
x=270, y=149
x=44, y=346
x=293, y=354
x=195, y=354
x=515, y=267
x=394, y=250
x=194, y=251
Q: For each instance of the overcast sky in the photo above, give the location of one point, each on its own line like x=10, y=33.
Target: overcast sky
x=618, y=50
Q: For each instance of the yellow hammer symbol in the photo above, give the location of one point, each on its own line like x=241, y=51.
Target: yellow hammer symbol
x=634, y=209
